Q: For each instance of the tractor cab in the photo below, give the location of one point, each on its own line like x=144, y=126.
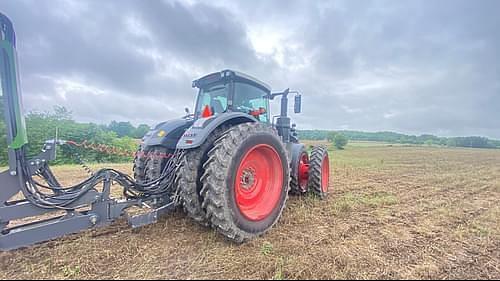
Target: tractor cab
x=231, y=91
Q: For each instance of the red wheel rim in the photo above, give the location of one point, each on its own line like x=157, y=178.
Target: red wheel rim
x=325, y=174
x=259, y=182
x=303, y=171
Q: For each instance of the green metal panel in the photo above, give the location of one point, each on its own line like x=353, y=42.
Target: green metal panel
x=8, y=53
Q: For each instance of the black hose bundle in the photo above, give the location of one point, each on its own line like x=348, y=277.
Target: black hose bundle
x=62, y=197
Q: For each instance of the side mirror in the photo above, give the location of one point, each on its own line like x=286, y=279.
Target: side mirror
x=298, y=104
x=186, y=109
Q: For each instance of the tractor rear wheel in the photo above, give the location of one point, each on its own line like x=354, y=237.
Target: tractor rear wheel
x=149, y=163
x=300, y=173
x=246, y=181
x=140, y=165
x=188, y=178
x=319, y=171
x=156, y=161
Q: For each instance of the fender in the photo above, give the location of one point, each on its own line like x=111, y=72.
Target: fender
x=203, y=127
x=167, y=134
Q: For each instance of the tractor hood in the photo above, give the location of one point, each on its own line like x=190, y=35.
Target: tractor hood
x=167, y=134
x=203, y=127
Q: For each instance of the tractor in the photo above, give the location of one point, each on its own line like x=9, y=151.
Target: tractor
x=230, y=165
x=239, y=165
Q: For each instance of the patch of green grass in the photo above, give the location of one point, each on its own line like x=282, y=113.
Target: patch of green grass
x=351, y=201
x=371, y=144
x=379, y=199
x=357, y=157
x=481, y=231
x=266, y=249
x=279, y=273
x=71, y=271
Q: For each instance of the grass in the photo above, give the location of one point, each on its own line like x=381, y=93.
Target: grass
x=394, y=212
x=350, y=201
x=267, y=248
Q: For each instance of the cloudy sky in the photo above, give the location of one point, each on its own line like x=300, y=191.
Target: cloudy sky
x=408, y=66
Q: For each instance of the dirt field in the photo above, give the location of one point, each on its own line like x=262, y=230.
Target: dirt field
x=394, y=212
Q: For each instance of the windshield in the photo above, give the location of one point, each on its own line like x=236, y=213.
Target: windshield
x=214, y=97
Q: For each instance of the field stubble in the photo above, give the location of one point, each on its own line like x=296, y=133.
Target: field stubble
x=394, y=212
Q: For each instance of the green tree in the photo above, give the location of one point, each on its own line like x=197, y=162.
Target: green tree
x=340, y=141
x=451, y=142
x=331, y=136
x=122, y=129
x=141, y=130
x=62, y=113
x=43, y=125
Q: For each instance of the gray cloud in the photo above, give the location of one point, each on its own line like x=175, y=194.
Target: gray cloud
x=409, y=66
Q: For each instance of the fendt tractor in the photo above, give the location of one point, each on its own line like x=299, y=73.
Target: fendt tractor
x=230, y=165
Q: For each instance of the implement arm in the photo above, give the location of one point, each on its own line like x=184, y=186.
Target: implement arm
x=9, y=77
x=43, y=198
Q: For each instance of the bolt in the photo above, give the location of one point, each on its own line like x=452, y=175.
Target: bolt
x=94, y=219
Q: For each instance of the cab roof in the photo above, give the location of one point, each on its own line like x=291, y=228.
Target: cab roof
x=230, y=75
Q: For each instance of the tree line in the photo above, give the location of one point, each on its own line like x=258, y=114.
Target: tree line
x=391, y=137
x=124, y=137
x=117, y=141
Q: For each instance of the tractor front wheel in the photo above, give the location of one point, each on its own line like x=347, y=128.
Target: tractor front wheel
x=246, y=181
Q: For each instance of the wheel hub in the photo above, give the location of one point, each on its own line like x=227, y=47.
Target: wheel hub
x=303, y=171
x=248, y=178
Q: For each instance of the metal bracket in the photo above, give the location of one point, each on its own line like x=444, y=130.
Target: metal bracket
x=150, y=217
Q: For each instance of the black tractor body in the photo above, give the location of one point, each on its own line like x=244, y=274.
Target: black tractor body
x=239, y=162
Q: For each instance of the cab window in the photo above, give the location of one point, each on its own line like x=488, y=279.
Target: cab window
x=251, y=100
x=215, y=97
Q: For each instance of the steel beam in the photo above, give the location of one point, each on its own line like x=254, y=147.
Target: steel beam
x=45, y=230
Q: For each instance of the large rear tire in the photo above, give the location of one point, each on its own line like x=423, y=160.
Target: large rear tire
x=319, y=172
x=188, y=178
x=149, y=163
x=246, y=181
x=155, y=163
x=140, y=165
